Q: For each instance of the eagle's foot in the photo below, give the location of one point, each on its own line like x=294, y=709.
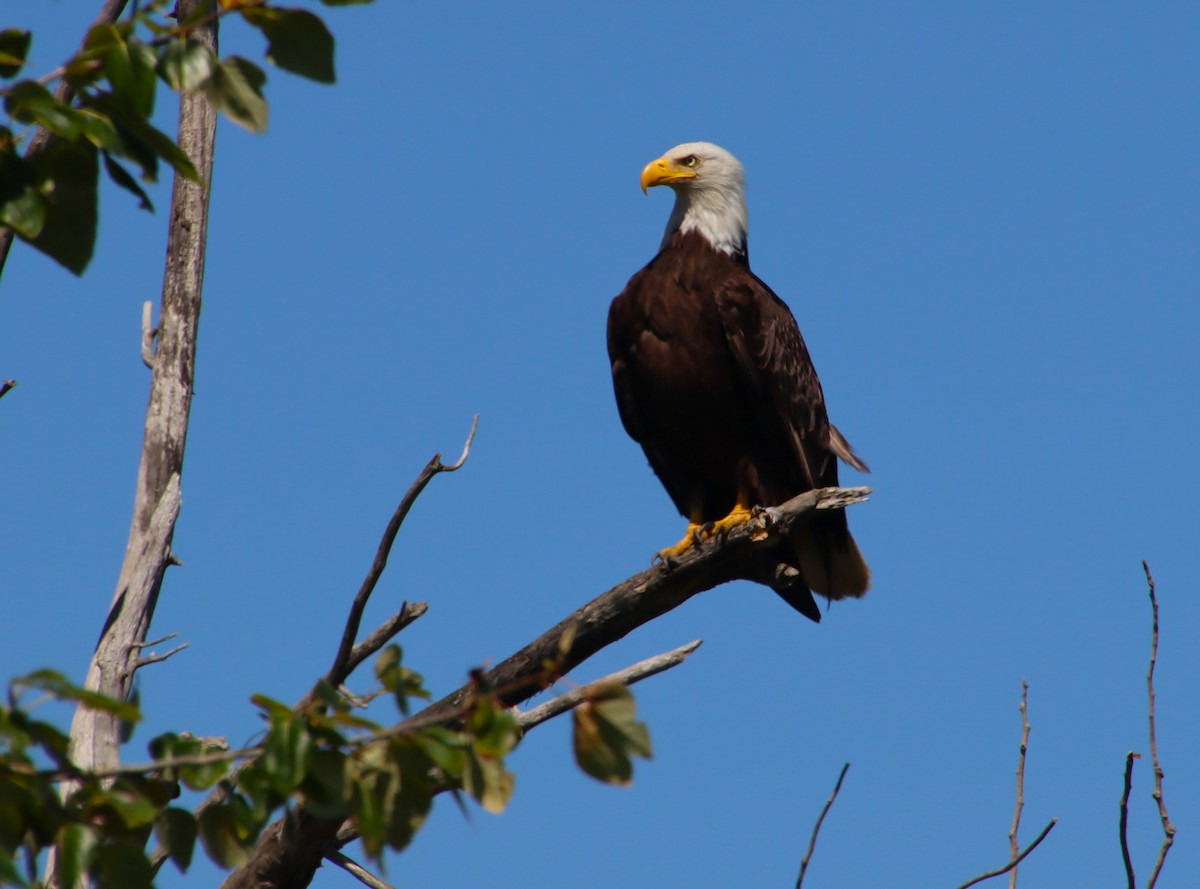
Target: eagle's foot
x=696, y=533
x=738, y=516
x=693, y=536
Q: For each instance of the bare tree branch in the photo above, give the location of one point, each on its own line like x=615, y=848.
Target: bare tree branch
x=1017, y=860
x=359, y=872
x=635, y=673
x=1167, y=826
x=812, y=841
x=1130, y=881
x=287, y=855
x=5, y=386
x=158, y=658
x=1014, y=846
x=64, y=92
x=341, y=663
x=384, y=633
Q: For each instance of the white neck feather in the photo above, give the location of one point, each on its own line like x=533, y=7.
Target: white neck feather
x=718, y=213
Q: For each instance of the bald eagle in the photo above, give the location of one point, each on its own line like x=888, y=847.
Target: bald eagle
x=713, y=380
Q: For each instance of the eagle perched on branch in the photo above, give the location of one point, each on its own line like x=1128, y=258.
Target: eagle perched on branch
x=714, y=381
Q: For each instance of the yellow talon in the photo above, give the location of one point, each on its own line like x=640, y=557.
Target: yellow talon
x=697, y=532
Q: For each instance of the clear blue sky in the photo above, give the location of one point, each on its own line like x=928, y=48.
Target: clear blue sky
x=985, y=217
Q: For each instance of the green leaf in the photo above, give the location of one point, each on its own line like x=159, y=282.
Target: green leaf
x=123, y=866
x=186, y=64
x=324, y=785
x=446, y=749
x=22, y=207
x=14, y=47
x=402, y=682
x=67, y=174
x=121, y=176
x=488, y=781
x=30, y=102
x=75, y=165
x=220, y=833
x=235, y=89
x=493, y=727
x=75, y=849
x=129, y=66
x=286, y=753
x=271, y=707
x=176, y=831
x=606, y=735
x=137, y=131
x=368, y=787
x=132, y=808
x=298, y=41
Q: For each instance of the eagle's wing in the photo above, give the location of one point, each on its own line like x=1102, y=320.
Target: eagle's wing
x=775, y=367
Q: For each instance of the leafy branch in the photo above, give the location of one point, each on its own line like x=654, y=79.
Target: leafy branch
x=100, y=113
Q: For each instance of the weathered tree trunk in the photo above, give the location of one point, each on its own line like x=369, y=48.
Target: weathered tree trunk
x=94, y=734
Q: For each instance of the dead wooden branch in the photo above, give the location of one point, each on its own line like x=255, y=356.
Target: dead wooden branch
x=635, y=673
x=341, y=663
x=812, y=841
x=1130, y=881
x=6, y=386
x=1015, y=861
x=1014, y=846
x=1167, y=826
x=94, y=733
x=158, y=658
x=360, y=873
x=288, y=854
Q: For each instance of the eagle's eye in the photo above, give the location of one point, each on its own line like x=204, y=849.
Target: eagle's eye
x=690, y=161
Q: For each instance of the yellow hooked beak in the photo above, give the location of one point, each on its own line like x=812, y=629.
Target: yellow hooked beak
x=664, y=171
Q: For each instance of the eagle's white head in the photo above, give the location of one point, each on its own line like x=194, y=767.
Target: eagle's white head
x=710, y=194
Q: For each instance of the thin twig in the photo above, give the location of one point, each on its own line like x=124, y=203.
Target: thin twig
x=5, y=386
x=355, y=869
x=340, y=668
x=158, y=658
x=384, y=633
x=812, y=841
x=159, y=641
x=1003, y=870
x=1167, y=826
x=642, y=669
x=1130, y=882
x=1014, y=847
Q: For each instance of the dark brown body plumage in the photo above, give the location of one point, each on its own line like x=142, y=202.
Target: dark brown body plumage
x=713, y=379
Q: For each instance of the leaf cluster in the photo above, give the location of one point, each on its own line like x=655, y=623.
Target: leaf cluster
x=327, y=759
x=48, y=195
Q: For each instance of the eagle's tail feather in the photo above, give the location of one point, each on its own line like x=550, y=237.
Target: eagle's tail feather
x=831, y=563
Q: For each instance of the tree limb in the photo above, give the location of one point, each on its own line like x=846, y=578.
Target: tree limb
x=360, y=873
x=341, y=663
x=635, y=673
x=1167, y=826
x=812, y=841
x=287, y=855
x=1017, y=860
x=1130, y=881
x=1014, y=846
x=156, y=505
